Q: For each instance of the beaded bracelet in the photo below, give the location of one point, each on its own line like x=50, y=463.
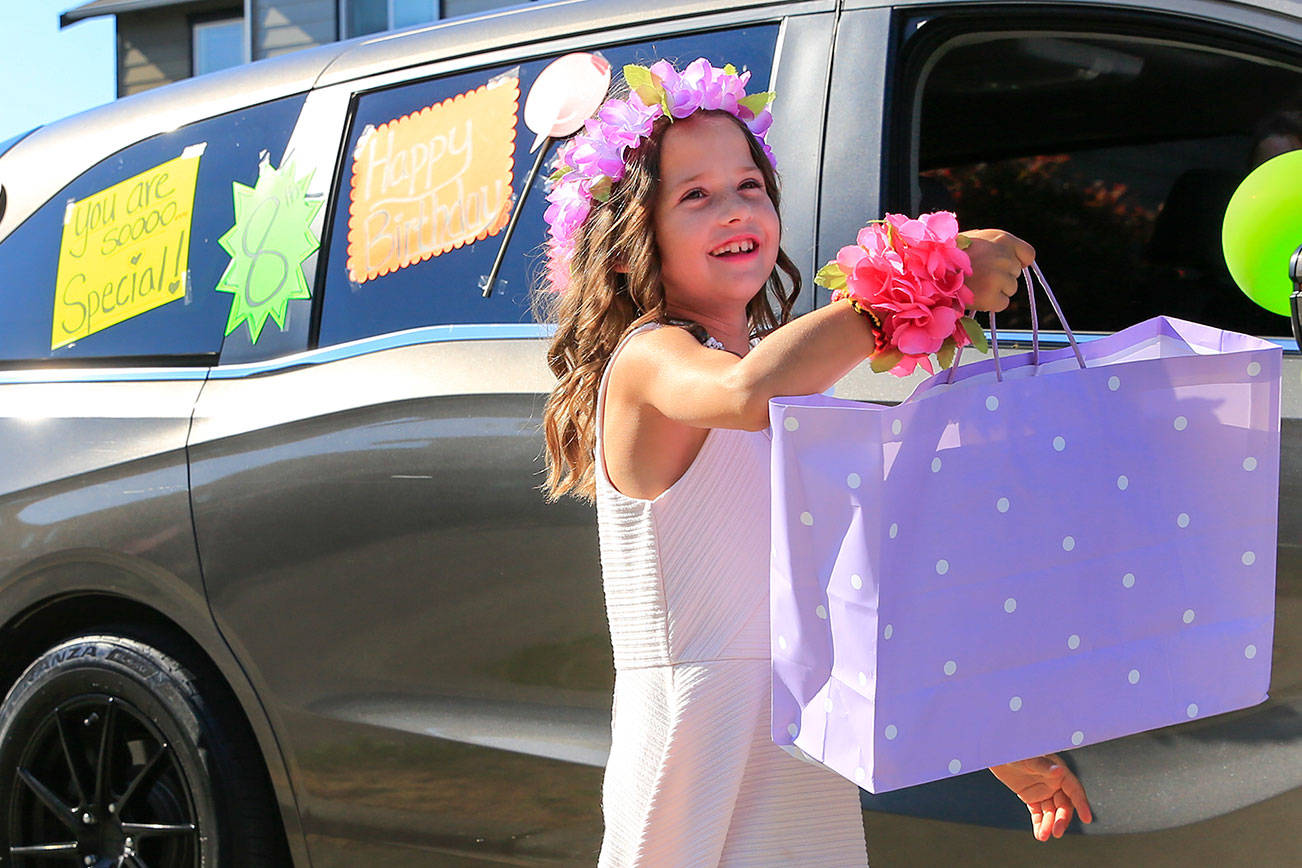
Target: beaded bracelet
x=875, y=323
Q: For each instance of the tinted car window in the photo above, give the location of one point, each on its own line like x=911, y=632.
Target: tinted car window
x=1103, y=151
x=378, y=282
x=124, y=261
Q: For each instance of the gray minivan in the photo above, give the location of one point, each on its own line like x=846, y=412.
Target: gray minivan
x=277, y=581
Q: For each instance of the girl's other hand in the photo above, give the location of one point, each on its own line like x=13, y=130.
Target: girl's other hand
x=998, y=258
x=1049, y=789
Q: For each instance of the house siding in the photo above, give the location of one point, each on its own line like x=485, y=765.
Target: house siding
x=154, y=45
x=282, y=26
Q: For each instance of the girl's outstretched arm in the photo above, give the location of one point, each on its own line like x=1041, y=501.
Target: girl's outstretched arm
x=668, y=371
x=1051, y=793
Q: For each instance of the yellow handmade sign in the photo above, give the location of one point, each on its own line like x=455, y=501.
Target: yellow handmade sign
x=125, y=249
x=433, y=180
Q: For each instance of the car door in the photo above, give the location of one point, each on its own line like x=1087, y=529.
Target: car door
x=426, y=631
x=1084, y=128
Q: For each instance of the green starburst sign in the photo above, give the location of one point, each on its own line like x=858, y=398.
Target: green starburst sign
x=271, y=238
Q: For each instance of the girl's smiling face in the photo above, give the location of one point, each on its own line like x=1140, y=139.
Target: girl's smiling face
x=716, y=228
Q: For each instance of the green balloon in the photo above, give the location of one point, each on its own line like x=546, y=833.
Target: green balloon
x=1263, y=226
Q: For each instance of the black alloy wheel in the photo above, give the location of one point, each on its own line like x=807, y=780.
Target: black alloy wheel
x=100, y=785
x=111, y=756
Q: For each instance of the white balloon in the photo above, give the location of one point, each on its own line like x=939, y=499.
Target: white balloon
x=565, y=94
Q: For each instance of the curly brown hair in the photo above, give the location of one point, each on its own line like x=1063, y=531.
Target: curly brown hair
x=615, y=287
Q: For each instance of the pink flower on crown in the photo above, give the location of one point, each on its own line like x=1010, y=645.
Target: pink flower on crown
x=558, y=266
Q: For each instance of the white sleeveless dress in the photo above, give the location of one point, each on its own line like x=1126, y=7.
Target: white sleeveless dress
x=694, y=778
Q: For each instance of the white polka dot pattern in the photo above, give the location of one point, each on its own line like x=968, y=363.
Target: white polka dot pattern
x=1046, y=533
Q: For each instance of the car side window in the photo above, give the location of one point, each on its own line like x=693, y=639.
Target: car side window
x=125, y=261
x=431, y=172
x=1103, y=150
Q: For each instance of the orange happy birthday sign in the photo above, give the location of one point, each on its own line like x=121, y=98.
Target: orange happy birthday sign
x=433, y=180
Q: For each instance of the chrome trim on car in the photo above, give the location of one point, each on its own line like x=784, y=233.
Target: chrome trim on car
x=101, y=375
x=392, y=340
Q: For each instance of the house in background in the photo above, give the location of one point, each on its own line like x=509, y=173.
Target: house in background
x=161, y=41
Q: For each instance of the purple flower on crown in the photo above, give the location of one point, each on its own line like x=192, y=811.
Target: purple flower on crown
x=569, y=207
x=683, y=99
x=593, y=155
x=719, y=89
x=627, y=122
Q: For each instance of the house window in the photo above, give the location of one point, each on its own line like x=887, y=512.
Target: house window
x=371, y=16
x=217, y=43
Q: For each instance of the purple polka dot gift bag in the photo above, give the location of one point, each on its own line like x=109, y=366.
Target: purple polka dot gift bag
x=1031, y=553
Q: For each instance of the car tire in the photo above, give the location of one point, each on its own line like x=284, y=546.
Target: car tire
x=113, y=753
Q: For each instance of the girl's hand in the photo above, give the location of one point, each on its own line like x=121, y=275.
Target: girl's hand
x=1049, y=789
x=998, y=258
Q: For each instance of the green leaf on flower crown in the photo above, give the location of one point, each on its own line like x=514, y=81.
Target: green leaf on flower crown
x=600, y=188
x=560, y=172
x=884, y=360
x=830, y=276
x=643, y=82
x=729, y=69
x=962, y=241
x=945, y=355
x=757, y=102
x=975, y=333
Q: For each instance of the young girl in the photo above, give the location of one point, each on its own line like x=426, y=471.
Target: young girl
x=664, y=256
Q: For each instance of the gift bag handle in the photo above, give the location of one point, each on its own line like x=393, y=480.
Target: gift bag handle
x=1027, y=274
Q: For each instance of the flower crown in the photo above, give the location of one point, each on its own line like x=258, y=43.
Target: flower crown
x=592, y=162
